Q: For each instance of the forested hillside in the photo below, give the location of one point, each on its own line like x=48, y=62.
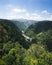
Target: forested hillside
x=8, y=31
x=41, y=32
x=20, y=25
x=40, y=26
x=15, y=50
x=23, y=24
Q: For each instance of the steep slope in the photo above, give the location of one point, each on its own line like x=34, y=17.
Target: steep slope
x=23, y=24
x=9, y=31
x=12, y=53
x=40, y=26
x=20, y=25
x=41, y=32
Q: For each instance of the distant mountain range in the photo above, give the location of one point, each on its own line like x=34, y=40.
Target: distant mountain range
x=11, y=30
x=40, y=26
x=23, y=24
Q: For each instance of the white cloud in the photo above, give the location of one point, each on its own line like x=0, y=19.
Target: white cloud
x=50, y=17
x=18, y=10
x=44, y=12
x=32, y=16
x=13, y=12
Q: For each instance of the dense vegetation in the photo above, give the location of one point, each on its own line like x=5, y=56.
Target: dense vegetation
x=8, y=31
x=15, y=50
x=40, y=26
x=41, y=32
x=21, y=25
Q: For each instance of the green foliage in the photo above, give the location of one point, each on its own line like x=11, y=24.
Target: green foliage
x=41, y=32
x=9, y=59
x=14, y=50
x=37, y=55
x=46, y=39
x=2, y=62
x=40, y=26
x=20, y=25
x=9, y=31
x=8, y=46
x=30, y=33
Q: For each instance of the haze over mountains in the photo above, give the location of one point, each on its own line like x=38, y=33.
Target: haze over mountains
x=16, y=50
x=23, y=24
x=25, y=32
x=40, y=26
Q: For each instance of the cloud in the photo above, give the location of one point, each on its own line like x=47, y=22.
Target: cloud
x=44, y=12
x=18, y=10
x=50, y=17
x=13, y=12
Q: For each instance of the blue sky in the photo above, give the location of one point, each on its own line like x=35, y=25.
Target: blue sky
x=26, y=9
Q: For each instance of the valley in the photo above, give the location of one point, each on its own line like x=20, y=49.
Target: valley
x=25, y=42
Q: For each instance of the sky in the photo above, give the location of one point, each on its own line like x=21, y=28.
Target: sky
x=26, y=9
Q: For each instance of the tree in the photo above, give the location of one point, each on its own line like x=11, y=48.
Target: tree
x=2, y=62
x=46, y=39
